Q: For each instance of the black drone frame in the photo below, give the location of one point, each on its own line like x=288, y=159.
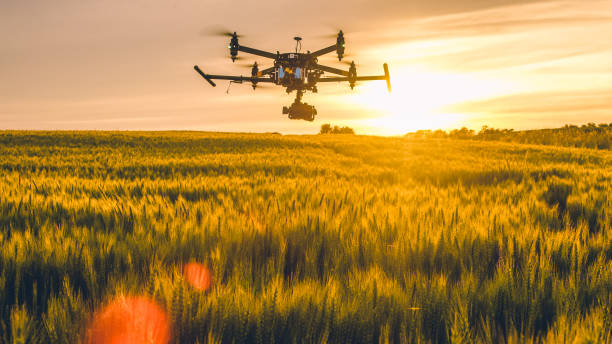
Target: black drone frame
x=306, y=62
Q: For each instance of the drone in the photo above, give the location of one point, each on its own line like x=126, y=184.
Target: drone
x=295, y=71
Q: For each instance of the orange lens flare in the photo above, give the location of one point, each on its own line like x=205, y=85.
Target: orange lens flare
x=129, y=320
x=198, y=276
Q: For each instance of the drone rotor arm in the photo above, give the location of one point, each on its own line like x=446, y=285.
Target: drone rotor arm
x=331, y=70
x=370, y=78
x=239, y=78
x=257, y=52
x=333, y=79
x=252, y=79
x=324, y=51
x=206, y=77
x=210, y=77
x=362, y=78
x=267, y=71
x=359, y=78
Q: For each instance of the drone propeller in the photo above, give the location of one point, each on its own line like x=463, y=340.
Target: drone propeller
x=332, y=58
x=247, y=65
x=328, y=35
x=237, y=58
x=217, y=31
x=264, y=86
x=332, y=28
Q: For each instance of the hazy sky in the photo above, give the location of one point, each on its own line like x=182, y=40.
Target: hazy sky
x=84, y=64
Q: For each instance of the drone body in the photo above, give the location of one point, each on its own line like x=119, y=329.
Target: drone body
x=296, y=71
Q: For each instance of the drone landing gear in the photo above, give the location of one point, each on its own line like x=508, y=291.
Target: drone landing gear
x=299, y=110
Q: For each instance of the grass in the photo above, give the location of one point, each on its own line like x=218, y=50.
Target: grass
x=310, y=239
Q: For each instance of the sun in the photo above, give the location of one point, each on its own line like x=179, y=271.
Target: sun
x=420, y=100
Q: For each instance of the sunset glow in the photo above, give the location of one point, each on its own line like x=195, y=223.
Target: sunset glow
x=419, y=99
x=523, y=64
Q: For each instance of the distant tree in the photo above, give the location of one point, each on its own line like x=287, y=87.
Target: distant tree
x=463, y=133
x=422, y=134
x=343, y=130
x=440, y=134
x=325, y=129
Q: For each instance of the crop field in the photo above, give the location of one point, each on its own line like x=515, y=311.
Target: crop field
x=315, y=239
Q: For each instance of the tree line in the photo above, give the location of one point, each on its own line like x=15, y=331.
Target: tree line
x=591, y=135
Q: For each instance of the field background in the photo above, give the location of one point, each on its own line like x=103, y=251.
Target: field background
x=326, y=238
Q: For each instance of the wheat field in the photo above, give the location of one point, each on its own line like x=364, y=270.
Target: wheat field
x=314, y=239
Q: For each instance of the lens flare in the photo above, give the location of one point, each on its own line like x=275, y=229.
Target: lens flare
x=198, y=276
x=129, y=320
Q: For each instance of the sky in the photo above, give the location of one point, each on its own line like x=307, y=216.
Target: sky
x=128, y=65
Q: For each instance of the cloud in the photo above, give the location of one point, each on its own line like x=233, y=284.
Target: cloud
x=556, y=55
x=538, y=109
x=537, y=103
